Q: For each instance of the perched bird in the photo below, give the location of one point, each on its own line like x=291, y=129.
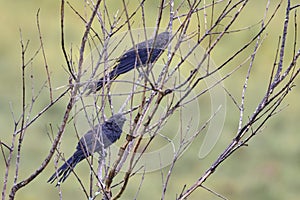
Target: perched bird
x=95, y=140
x=147, y=52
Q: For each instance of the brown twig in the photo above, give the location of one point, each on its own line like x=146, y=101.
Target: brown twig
x=44, y=56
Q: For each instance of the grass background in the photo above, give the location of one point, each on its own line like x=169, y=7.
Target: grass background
x=267, y=169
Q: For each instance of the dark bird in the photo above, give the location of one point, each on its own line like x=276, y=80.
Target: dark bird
x=95, y=140
x=146, y=52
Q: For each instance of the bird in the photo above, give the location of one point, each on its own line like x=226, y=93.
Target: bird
x=145, y=52
x=95, y=140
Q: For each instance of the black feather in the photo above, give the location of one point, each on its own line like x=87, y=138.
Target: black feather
x=95, y=140
x=147, y=52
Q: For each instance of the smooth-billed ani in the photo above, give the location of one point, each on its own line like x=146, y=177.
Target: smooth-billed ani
x=95, y=140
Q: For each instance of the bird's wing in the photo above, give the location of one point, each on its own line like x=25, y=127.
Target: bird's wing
x=129, y=60
x=87, y=143
x=111, y=133
x=126, y=63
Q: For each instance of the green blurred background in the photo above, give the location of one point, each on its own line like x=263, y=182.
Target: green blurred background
x=269, y=168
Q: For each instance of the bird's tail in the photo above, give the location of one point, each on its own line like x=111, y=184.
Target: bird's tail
x=64, y=171
x=103, y=81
